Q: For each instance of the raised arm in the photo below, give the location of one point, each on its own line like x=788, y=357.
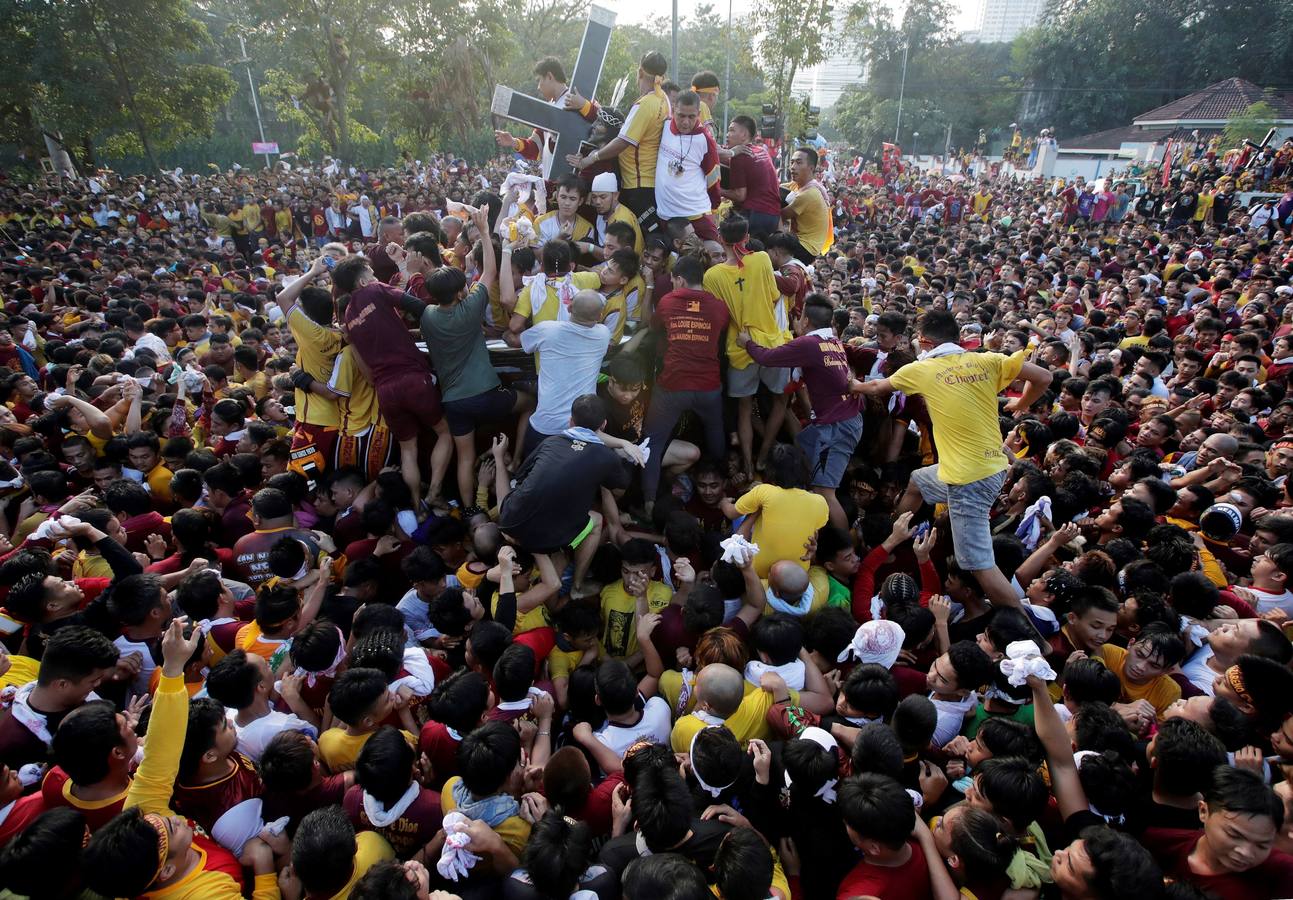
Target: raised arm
x=1065, y=784
x=287, y=297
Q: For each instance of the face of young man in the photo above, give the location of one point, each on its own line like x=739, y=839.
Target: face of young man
x=568, y=201
x=603, y=201
x=737, y=135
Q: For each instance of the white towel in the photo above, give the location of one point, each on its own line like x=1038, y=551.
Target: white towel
x=455, y=859
x=1030, y=526
x=737, y=550
x=792, y=673
x=1024, y=658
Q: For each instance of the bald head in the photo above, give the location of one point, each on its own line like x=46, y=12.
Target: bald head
x=586, y=308
x=721, y=688
x=788, y=580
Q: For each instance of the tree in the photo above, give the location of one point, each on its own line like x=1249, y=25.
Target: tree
x=118, y=73
x=1250, y=125
x=791, y=36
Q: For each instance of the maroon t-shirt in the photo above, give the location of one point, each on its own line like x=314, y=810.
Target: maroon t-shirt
x=411, y=831
x=376, y=330
x=910, y=881
x=206, y=803
x=754, y=172
x=295, y=805
x=442, y=749
x=694, y=324
x=1172, y=849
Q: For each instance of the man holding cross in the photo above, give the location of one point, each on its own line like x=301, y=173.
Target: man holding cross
x=550, y=77
x=638, y=142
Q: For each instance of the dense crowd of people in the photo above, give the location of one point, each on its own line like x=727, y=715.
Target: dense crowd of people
x=663, y=530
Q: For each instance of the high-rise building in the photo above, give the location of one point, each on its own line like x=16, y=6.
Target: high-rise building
x=824, y=82
x=1003, y=20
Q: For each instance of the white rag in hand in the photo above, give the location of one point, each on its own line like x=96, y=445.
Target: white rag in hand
x=1030, y=525
x=737, y=550
x=1023, y=658
x=455, y=859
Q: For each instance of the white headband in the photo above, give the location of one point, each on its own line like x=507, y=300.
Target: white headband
x=824, y=740
x=691, y=755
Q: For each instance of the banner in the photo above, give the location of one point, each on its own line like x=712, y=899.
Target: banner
x=266, y=147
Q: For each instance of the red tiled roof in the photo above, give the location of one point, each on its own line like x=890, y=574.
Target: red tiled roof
x=1218, y=102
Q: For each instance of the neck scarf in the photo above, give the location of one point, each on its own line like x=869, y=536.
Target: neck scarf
x=579, y=433
x=798, y=608
x=491, y=810
x=524, y=703
x=381, y=815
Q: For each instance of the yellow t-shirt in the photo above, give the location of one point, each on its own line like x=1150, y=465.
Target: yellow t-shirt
x=339, y=751
x=788, y=518
x=514, y=830
x=525, y=621
x=960, y=391
x=357, y=409
x=159, y=482
x=622, y=213
x=619, y=616
x=642, y=130
x=316, y=350
x=547, y=311
x=548, y=227
x=259, y=384
x=1162, y=692
x=1139, y=340
x=750, y=292
x=370, y=849
x=748, y=723
x=562, y=662
x=812, y=218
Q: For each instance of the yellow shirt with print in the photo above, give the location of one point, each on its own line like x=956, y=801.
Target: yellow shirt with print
x=581, y=232
x=750, y=292
x=525, y=621
x=316, y=351
x=960, y=391
x=547, y=310
x=619, y=616
x=642, y=129
x=339, y=751
x=1161, y=692
x=1139, y=340
x=812, y=218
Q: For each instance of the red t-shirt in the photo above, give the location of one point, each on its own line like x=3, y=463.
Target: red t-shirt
x=910, y=881
x=754, y=172
x=442, y=749
x=694, y=323
x=96, y=816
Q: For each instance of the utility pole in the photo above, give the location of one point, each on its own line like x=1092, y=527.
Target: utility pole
x=947, y=148
x=727, y=70
x=255, y=101
x=673, y=67
x=902, y=88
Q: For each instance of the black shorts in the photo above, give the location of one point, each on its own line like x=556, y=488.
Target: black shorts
x=641, y=202
x=803, y=254
x=467, y=414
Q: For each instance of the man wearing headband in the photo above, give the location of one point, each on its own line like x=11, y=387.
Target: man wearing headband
x=147, y=850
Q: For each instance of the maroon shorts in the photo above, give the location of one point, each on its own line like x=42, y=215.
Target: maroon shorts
x=410, y=404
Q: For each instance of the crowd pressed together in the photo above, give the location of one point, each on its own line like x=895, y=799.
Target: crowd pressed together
x=661, y=531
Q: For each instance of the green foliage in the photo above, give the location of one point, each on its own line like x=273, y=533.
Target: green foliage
x=1251, y=125
x=125, y=74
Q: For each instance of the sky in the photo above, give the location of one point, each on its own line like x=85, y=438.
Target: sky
x=637, y=11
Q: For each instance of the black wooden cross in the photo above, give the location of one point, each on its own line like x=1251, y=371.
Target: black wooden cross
x=569, y=127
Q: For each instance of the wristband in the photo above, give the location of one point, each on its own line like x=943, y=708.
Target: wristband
x=518, y=144
x=586, y=108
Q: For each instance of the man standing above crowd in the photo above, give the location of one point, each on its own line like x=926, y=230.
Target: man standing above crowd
x=687, y=189
x=638, y=142
x=808, y=207
x=752, y=181
x=550, y=80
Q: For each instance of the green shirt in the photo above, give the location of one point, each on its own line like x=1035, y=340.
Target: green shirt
x=1023, y=714
x=457, y=346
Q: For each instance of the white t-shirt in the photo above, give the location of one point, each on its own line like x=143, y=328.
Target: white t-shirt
x=571, y=359
x=655, y=725
x=680, y=188
x=254, y=738
x=1196, y=669
x=147, y=664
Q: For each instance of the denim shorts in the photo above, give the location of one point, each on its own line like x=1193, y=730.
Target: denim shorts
x=829, y=449
x=745, y=382
x=968, y=506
